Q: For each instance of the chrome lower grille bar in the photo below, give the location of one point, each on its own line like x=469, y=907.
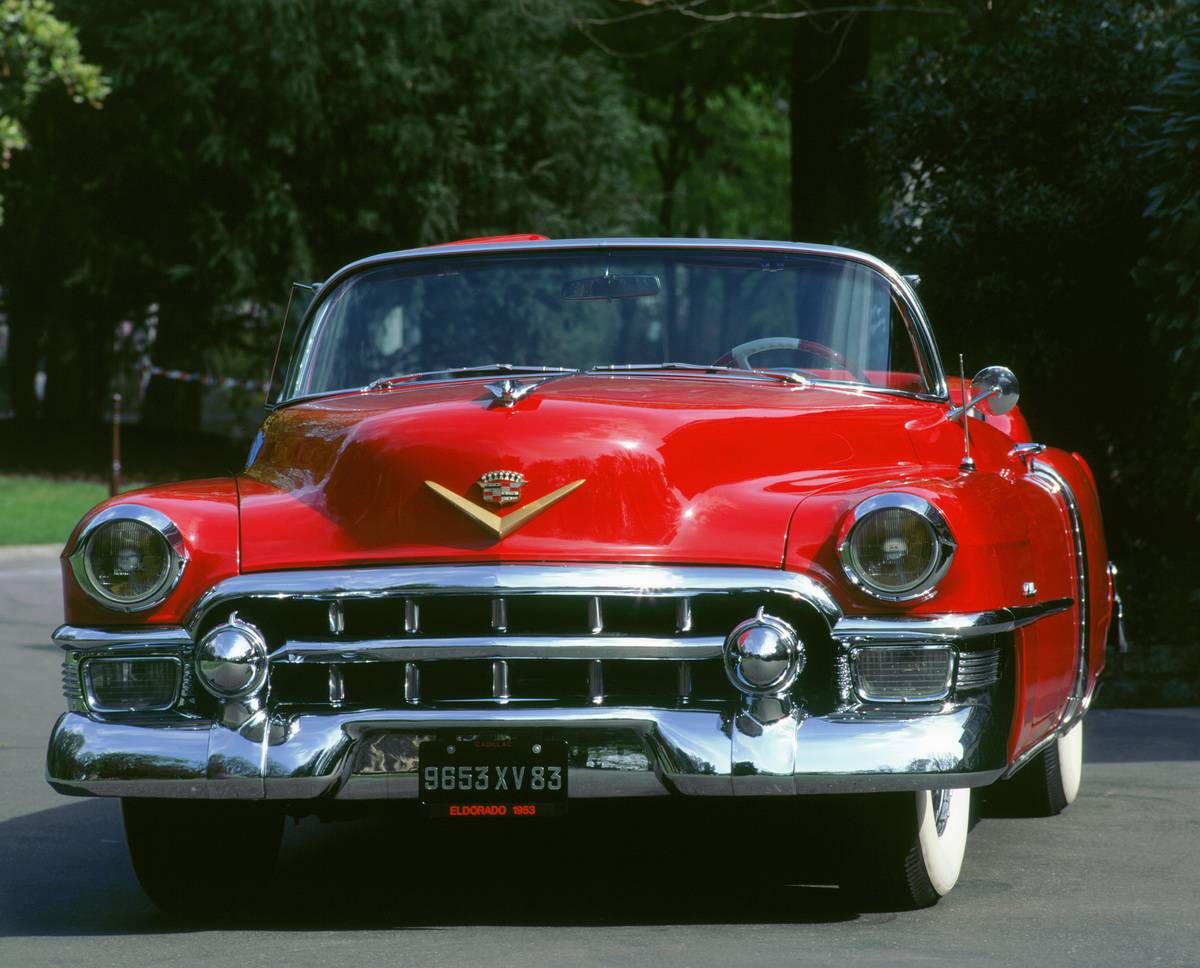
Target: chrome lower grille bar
x=499, y=648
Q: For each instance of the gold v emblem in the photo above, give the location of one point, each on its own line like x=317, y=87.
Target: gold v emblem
x=493, y=523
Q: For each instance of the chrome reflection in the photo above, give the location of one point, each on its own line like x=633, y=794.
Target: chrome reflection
x=635, y=581
x=769, y=746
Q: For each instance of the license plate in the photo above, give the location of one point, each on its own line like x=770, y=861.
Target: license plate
x=493, y=778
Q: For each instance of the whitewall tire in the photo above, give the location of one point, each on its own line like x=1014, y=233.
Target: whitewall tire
x=943, y=819
x=1070, y=762
x=1050, y=781
x=905, y=850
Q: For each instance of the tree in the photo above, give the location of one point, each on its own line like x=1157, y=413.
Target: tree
x=38, y=51
x=1015, y=186
x=688, y=75
x=245, y=145
x=812, y=59
x=1171, y=273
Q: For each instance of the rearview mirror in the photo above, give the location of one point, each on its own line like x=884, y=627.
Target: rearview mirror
x=996, y=388
x=611, y=287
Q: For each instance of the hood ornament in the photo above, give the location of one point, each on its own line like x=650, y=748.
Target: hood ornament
x=507, y=392
x=501, y=487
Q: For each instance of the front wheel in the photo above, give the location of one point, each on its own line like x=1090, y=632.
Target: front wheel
x=906, y=850
x=1048, y=783
x=191, y=856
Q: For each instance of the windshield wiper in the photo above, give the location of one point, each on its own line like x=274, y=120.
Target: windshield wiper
x=487, y=369
x=791, y=377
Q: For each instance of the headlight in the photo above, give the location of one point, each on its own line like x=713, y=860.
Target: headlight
x=128, y=557
x=898, y=547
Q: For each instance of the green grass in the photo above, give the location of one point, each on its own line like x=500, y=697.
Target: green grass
x=43, y=510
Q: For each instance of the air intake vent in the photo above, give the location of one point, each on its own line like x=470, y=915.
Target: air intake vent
x=977, y=669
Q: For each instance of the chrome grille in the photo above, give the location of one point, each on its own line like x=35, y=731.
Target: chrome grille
x=72, y=686
x=977, y=669
x=389, y=650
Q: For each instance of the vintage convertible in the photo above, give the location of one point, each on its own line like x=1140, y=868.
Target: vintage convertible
x=717, y=524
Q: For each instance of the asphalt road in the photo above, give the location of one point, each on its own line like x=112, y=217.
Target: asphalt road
x=1113, y=881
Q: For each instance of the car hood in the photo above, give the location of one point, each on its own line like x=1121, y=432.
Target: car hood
x=674, y=468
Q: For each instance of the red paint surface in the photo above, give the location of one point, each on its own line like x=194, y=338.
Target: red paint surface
x=677, y=469
x=206, y=513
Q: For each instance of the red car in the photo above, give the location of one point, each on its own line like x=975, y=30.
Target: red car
x=715, y=524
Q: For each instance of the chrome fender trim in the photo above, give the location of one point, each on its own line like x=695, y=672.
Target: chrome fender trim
x=947, y=628
x=1049, y=479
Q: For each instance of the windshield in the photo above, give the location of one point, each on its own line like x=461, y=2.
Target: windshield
x=826, y=317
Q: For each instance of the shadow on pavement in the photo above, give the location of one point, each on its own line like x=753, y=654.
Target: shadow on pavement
x=64, y=872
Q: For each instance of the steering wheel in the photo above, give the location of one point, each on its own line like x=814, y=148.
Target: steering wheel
x=740, y=355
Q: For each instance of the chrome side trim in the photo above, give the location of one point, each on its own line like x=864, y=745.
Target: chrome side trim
x=153, y=519
x=1053, y=481
x=1116, y=632
x=150, y=637
x=661, y=581
x=1026, y=452
x=499, y=648
x=1029, y=754
x=852, y=629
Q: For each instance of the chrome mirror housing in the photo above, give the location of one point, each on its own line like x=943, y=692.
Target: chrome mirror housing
x=996, y=389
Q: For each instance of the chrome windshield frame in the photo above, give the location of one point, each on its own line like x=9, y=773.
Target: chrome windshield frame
x=914, y=313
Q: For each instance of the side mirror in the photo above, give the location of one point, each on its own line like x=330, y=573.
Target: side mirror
x=995, y=389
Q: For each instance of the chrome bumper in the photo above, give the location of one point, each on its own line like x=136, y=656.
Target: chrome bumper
x=766, y=748
x=694, y=746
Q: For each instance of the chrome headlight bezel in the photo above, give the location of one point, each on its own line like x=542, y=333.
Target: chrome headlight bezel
x=151, y=518
x=943, y=542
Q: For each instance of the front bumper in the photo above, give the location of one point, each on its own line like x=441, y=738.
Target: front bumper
x=766, y=748
x=696, y=744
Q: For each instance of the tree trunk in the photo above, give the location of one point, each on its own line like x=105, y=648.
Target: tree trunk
x=829, y=177
x=172, y=404
x=79, y=363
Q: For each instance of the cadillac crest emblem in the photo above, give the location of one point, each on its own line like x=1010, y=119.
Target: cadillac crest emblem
x=502, y=487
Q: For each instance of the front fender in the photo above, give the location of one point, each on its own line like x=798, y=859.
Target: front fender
x=206, y=514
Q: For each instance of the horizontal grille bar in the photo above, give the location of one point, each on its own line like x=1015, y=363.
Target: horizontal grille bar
x=72, y=687
x=595, y=681
x=426, y=581
x=499, y=648
x=977, y=669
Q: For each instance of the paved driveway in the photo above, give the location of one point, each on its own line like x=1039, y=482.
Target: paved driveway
x=1114, y=881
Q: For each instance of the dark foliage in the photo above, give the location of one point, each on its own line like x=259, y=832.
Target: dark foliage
x=1016, y=185
x=245, y=145
x=1034, y=160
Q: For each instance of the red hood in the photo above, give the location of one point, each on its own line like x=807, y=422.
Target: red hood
x=675, y=468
